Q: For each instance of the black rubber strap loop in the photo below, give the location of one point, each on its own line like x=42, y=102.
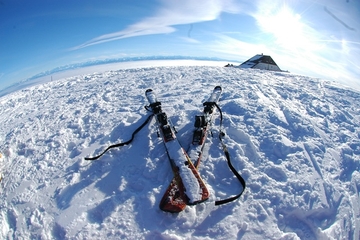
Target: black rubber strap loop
x=123, y=143
x=238, y=176
x=227, y=155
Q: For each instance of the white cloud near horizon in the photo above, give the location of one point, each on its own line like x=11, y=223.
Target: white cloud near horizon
x=170, y=13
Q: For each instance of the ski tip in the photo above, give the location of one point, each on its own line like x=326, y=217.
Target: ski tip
x=171, y=206
x=148, y=90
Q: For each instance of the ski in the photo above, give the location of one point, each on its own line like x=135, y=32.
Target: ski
x=172, y=201
x=191, y=189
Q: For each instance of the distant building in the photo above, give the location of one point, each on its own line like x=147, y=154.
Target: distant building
x=261, y=61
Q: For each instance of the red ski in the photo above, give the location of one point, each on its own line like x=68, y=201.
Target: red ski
x=191, y=188
x=173, y=199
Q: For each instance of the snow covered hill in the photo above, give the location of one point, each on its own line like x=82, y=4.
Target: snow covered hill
x=294, y=139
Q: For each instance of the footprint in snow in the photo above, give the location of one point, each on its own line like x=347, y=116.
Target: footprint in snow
x=276, y=173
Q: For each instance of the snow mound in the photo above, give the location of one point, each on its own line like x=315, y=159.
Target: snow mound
x=294, y=139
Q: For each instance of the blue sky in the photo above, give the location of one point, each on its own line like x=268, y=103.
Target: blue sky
x=315, y=38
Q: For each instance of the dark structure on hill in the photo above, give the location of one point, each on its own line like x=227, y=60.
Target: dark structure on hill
x=260, y=61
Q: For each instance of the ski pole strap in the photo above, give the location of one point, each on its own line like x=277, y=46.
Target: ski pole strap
x=227, y=155
x=123, y=143
x=221, y=116
x=238, y=176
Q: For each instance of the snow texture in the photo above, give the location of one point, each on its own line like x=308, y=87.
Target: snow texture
x=294, y=139
x=191, y=184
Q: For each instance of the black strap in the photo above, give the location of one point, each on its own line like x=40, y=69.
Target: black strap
x=123, y=143
x=227, y=155
x=226, y=152
x=221, y=116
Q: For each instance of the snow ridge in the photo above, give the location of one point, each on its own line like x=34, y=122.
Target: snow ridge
x=294, y=139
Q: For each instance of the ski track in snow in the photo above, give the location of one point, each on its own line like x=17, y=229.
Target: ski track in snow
x=294, y=139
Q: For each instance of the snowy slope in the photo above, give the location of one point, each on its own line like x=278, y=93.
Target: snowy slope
x=294, y=139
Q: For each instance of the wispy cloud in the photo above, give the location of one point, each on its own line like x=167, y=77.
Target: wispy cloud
x=189, y=40
x=233, y=48
x=169, y=14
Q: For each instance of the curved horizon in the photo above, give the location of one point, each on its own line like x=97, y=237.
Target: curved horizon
x=318, y=38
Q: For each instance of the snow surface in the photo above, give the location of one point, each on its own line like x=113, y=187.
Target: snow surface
x=294, y=139
x=191, y=183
